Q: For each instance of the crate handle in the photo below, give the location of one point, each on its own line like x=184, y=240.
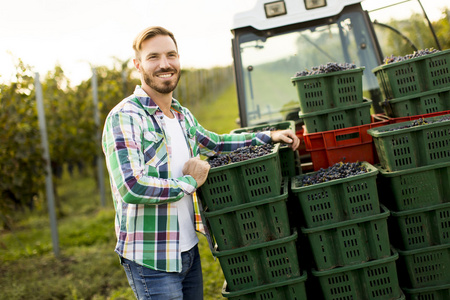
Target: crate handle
x=343, y=138
x=347, y=136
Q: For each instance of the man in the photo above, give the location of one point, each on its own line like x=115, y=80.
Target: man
x=152, y=144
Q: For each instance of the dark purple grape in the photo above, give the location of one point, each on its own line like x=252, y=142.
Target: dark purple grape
x=328, y=68
x=266, y=128
x=241, y=154
x=337, y=171
x=393, y=59
x=419, y=122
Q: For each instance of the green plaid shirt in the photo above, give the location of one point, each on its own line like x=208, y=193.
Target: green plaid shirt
x=138, y=158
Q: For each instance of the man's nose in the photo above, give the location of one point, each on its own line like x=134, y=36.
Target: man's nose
x=164, y=62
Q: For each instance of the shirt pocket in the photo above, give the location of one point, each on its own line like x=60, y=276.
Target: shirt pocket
x=191, y=135
x=154, y=148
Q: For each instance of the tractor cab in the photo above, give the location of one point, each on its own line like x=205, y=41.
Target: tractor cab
x=276, y=39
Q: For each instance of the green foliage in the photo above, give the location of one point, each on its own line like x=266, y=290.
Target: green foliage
x=70, y=122
x=22, y=171
x=442, y=28
x=416, y=31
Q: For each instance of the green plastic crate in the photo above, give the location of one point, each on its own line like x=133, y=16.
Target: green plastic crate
x=412, y=147
x=289, y=160
x=250, y=223
x=425, y=267
x=350, y=242
x=331, y=90
x=260, y=264
x=440, y=292
x=242, y=182
x=422, y=103
x=337, y=118
x=421, y=227
x=415, y=188
x=292, y=289
x=338, y=200
x=412, y=76
x=374, y=280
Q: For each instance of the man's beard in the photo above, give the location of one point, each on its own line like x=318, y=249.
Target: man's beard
x=164, y=88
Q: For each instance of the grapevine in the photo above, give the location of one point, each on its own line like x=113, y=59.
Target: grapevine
x=241, y=154
x=328, y=68
x=337, y=171
x=393, y=59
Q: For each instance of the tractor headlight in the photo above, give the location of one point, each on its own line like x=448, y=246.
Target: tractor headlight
x=311, y=4
x=274, y=9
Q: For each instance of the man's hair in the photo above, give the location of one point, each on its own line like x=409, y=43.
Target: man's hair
x=147, y=34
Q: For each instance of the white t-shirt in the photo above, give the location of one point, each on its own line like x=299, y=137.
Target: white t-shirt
x=185, y=206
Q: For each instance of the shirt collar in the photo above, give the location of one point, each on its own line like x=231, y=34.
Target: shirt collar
x=149, y=104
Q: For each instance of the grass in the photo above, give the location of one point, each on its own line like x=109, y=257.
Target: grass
x=221, y=114
x=87, y=267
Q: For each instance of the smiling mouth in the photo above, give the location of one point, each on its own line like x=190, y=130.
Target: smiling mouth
x=164, y=75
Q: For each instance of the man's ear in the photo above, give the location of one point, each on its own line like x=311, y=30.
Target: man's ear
x=136, y=63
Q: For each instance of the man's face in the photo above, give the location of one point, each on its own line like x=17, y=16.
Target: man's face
x=159, y=64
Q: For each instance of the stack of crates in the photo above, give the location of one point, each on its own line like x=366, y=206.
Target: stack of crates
x=415, y=185
x=336, y=117
x=246, y=212
x=414, y=170
x=416, y=86
x=348, y=236
x=290, y=162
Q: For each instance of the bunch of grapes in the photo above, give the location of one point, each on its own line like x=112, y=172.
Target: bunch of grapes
x=241, y=154
x=419, y=122
x=328, y=68
x=392, y=59
x=266, y=128
x=337, y=171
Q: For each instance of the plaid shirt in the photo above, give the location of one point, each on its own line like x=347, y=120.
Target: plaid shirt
x=138, y=157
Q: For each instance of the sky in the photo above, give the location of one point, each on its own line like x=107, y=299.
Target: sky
x=82, y=34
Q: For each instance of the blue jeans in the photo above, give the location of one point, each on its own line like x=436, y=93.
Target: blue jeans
x=151, y=284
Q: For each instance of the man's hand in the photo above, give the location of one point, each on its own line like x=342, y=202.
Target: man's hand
x=286, y=136
x=198, y=169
